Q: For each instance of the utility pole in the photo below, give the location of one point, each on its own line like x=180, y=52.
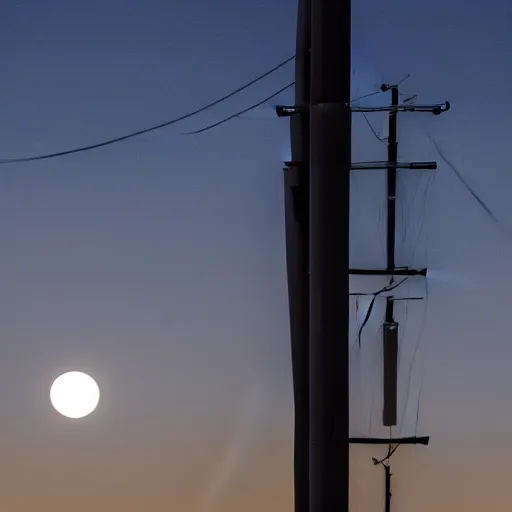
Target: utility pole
x=296, y=202
x=317, y=214
x=390, y=330
x=330, y=162
x=390, y=325
x=391, y=175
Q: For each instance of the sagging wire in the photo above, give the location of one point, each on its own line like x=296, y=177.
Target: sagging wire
x=371, y=413
x=372, y=374
x=357, y=307
x=415, y=352
x=369, y=95
x=358, y=378
x=390, y=287
x=382, y=140
x=391, y=450
x=354, y=343
x=412, y=97
x=366, y=319
x=406, y=204
x=403, y=331
x=242, y=116
x=357, y=342
x=403, y=79
x=143, y=131
x=381, y=90
x=243, y=111
x=459, y=176
x=421, y=229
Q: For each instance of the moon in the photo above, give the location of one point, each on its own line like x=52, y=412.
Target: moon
x=74, y=394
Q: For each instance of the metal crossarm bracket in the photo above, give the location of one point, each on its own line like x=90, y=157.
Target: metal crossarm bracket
x=388, y=272
x=386, y=440
x=367, y=166
x=435, y=108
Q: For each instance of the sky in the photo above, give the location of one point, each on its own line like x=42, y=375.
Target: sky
x=157, y=265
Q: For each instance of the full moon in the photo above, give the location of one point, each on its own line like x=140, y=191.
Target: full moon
x=74, y=394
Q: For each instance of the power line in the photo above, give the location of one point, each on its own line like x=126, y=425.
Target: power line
x=381, y=90
x=459, y=176
x=403, y=79
x=244, y=111
x=415, y=353
x=351, y=101
x=388, y=288
x=152, y=128
x=377, y=136
x=369, y=95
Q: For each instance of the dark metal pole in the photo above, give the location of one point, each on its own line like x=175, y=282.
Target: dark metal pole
x=296, y=184
x=390, y=331
x=387, y=502
x=392, y=160
x=330, y=132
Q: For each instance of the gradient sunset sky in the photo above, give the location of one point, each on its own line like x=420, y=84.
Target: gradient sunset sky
x=157, y=265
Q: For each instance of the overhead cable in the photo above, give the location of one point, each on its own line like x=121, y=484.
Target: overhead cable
x=380, y=90
x=239, y=113
x=391, y=286
x=413, y=359
x=151, y=128
x=134, y=134
x=369, y=95
x=373, y=130
x=459, y=176
x=391, y=450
